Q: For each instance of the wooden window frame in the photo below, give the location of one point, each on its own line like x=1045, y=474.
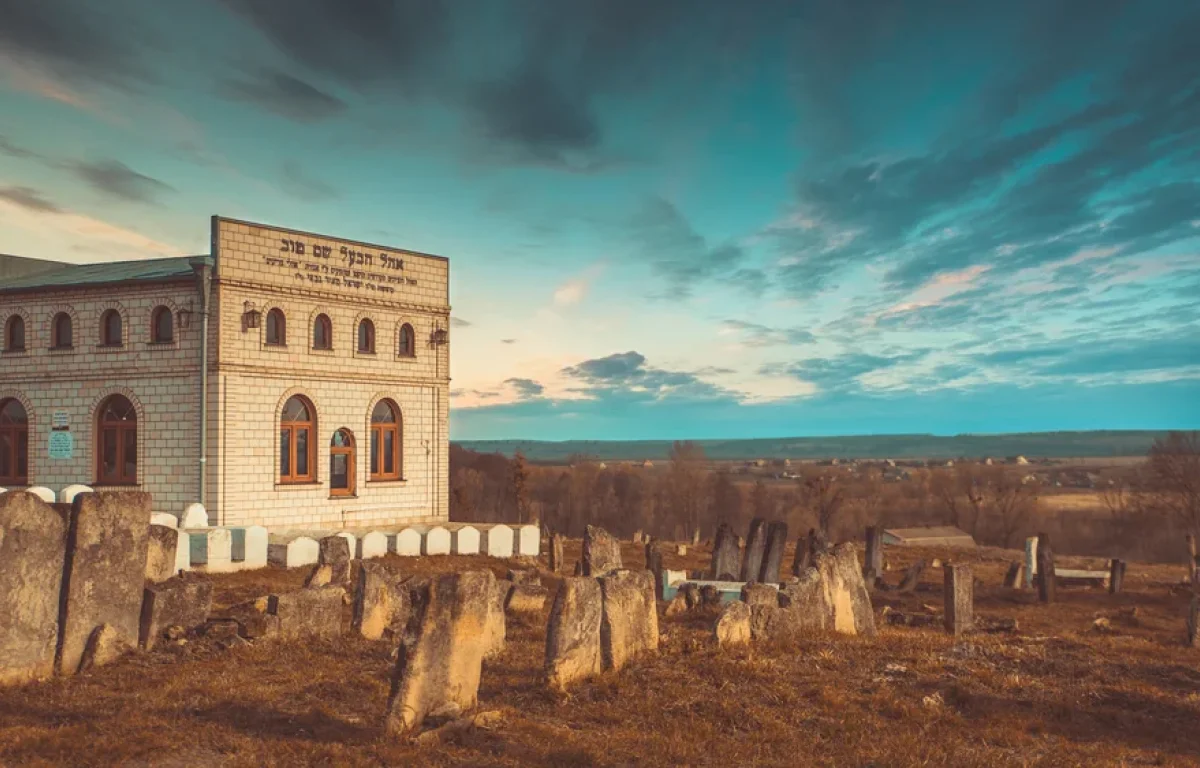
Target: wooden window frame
x=292, y=428
x=375, y=471
x=17, y=434
x=105, y=331
x=56, y=341
x=410, y=349
x=10, y=326
x=349, y=451
x=158, y=313
x=365, y=324
x=122, y=429
x=281, y=341
x=322, y=321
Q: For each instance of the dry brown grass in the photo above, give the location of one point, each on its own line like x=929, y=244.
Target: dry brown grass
x=1056, y=693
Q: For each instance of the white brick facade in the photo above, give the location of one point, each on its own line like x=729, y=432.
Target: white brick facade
x=249, y=381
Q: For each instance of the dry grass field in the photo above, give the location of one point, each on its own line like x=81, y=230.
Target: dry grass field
x=1059, y=691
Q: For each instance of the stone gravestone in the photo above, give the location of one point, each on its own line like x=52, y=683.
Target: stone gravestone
x=1116, y=576
x=495, y=632
x=654, y=564
x=756, y=546
x=497, y=541
x=1014, y=578
x=374, y=544
x=873, y=567
x=1047, y=581
x=1030, y=560
x=629, y=625
x=846, y=595
x=465, y=540
x=103, y=584
x=381, y=603
x=733, y=625
x=573, y=633
x=958, y=595
x=314, y=612
x=293, y=552
x=161, y=553
x=335, y=553
x=725, y=555
x=556, y=553
x=441, y=671
x=777, y=533
x=601, y=552
x=406, y=543
x=33, y=541
x=436, y=541
x=176, y=602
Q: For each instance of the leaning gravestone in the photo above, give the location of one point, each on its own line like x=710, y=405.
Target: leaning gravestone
x=176, y=602
x=33, y=540
x=725, y=555
x=654, y=564
x=777, y=533
x=756, y=547
x=629, y=626
x=601, y=552
x=335, y=553
x=846, y=596
x=161, y=553
x=495, y=632
x=441, y=671
x=381, y=603
x=103, y=583
x=573, y=633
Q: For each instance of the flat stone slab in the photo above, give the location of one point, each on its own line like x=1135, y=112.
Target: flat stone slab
x=33, y=543
x=177, y=602
x=312, y=613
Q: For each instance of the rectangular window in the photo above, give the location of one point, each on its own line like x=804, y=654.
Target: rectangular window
x=389, y=453
x=22, y=455
x=6, y=456
x=301, y=453
x=374, y=452
x=130, y=470
x=285, y=453
x=108, y=455
x=339, y=471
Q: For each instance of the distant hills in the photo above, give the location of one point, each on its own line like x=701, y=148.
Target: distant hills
x=1028, y=444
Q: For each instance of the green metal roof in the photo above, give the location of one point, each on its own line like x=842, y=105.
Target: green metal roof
x=113, y=272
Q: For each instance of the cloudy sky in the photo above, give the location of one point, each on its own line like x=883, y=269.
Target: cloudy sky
x=677, y=218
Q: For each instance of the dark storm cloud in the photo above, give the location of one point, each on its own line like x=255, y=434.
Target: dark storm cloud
x=28, y=198
x=97, y=42
x=284, y=95
x=118, y=180
x=302, y=185
x=525, y=388
x=625, y=376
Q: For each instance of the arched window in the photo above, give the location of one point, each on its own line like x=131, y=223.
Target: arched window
x=385, y=441
x=366, y=337
x=162, y=325
x=276, y=327
x=14, y=334
x=297, y=450
x=116, y=442
x=61, y=336
x=322, y=333
x=14, y=443
x=408, y=341
x=110, y=328
x=341, y=464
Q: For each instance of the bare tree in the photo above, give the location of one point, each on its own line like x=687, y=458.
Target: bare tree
x=1172, y=481
x=689, y=493
x=825, y=496
x=518, y=491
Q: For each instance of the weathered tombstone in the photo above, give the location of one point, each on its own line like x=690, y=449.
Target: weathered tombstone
x=733, y=625
x=161, y=553
x=406, y=543
x=497, y=541
x=183, y=551
x=335, y=553
x=526, y=598
x=211, y=550
x=375, y=544
x=637, y=537
x=381, y=603
x=725, y=555
x=442, y=669
x=629, y=626
x=556, y=553
x=104, y=646
x=1045, y=566
x=309, y=613
x=801, y=608
x=806, y=551
x=436, y=541
x=1015, y=577
x=465, y=540
x=1030, y=560
x=756, y=546
x=1116, y=576
x=911, y=577
x=873, y=567
x=43, y=493
x=754, y=594
x=777, y=533
x=33, y=542
x=959, y=598
x=67, y=495
x=654, y=564
x=106, y=568
x=496, y=630
x=248, y=547
x=164, y=518
x=601, y=552
x=193, y=516
x=253, y=619
x=293, y=552
x=176, y=602
x=529, y=541
x=573, y=633
x=845, y=592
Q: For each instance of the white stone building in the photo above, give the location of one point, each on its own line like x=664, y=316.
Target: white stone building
x=325, y=373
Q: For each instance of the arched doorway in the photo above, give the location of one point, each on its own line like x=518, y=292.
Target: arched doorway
x=14, y=443
x=341, y=464
x=116, y=442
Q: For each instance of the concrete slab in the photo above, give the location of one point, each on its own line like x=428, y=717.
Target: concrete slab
x=212, y=550
x=406, y=543
x=292, y=552
x=249, y=547
x=43, y=493
x=67, y=495
x=465, y=540
x=193, y=517
x=373, y=544
x=183, y=552
x=529, y=540
x=436, y=541
x=164, y=518
x=497, y=541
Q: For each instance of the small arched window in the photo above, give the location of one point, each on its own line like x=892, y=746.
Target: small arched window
x=366, y=337
x=341, y=464
x=110, y=328
x=408, y=341
x=14, y=334
x=116, y=442
x=297, y=450
x=322, y=333
x=385, y=441
x=162, y=325
x=276, y=327
x=61, y=335
x=14, y=443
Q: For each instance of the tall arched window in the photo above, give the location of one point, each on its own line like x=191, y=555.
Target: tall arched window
x=341, y=464
x=14, y=443
x=110, y=328
x=297, y=450
x=116, y=442
x=408, y=341
x=162, y=325
x=322, y=333
x=276, y=327
x=61, y=335
x=14, y=334
x=366, y=336
x=385, y=441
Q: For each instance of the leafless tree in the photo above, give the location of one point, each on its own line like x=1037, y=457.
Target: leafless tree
x=825, y=496
x=1172, y=479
